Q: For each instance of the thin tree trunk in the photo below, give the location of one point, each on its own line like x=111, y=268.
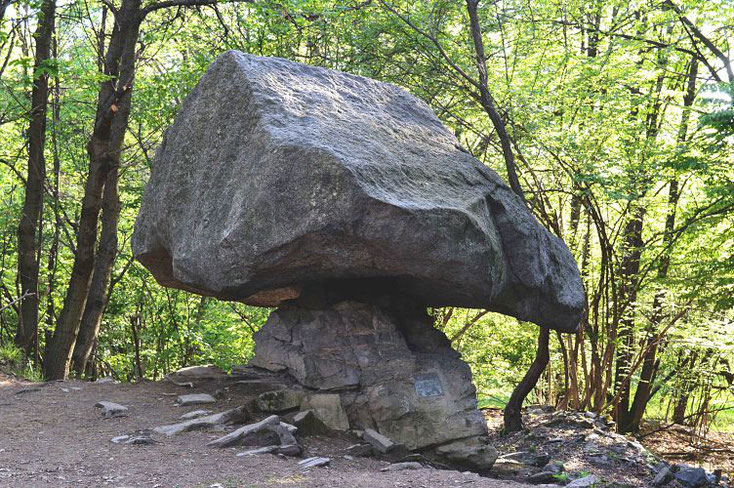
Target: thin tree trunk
x=513, y=409
x=113, y=109
x=487, y=102
x=28, y=228
x=99, y=289
x=650, y=364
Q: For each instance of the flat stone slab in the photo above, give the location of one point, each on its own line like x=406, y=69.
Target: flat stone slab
x=206, y=371
x=195, y=414
x=267, y=432
x=279, y=400
x=314, y=462
x=378, y=441
x=195, y=399
x=111, y=409
x=327, y=407
x=403, y=466
x=235, y=415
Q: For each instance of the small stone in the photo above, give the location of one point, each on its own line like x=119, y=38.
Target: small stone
x=308, y=423
x=348, y=457
x=542, y=477
x=378, y=441
x=584, y=482
x=402, y=466
x=541, y=459
x=290, y=428
x=267, y=432
x=65, y=390
x=206, y=371
x=279, y=400
x=360, y=450
x=473, y=453
x=328, y=408
x=106, y=379
x=258, y=451
x=195, y=414
x=691, y=477
x=142, y=438
x=556, y=467
x=314, y=462
x=290, y=450
x=235, y=415
x=119, y=439
x=111, y=409
x=663, y=477
x=195, y=399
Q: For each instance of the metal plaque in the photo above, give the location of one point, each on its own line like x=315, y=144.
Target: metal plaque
x=427, y=385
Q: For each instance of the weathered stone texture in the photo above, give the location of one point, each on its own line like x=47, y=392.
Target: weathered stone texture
x=277, y=174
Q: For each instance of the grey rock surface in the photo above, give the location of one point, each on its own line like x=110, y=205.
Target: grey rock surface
x=380, y=442
x=279, y=400
x=584, y=482
x=267, y=432
x=402, y=466
x=394, y=372
x=691, y=477
x=309, y=424
x=111, y=409
x=314, y=462
x=201, y=372
x=195, y=414
x=474, y=453
x=277, y=174
x=195, y=399
x=327, y=407
x=235, y=415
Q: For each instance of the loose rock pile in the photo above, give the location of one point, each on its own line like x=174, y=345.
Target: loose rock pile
x=563, y=447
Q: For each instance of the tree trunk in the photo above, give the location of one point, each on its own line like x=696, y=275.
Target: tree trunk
x=113, y=109
x=28, y=228
x=650, y=362
x=487, y=102
x=99, y=289
x=513, y=409
x=630, y=268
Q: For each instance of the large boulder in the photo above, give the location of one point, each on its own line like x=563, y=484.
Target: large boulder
x=276, y=175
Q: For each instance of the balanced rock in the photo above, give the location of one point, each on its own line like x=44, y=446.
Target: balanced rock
x=347, y=204
x=277, y=174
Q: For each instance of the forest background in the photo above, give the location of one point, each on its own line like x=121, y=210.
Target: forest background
x=616, y=114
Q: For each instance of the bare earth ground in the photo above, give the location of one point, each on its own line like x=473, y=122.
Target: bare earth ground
x=51, y=435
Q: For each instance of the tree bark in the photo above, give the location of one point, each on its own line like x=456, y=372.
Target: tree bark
x=513, y=409
x=487, y=102
x=104, y=147
x=650, y=361
x=100, y=286
x=28, y=228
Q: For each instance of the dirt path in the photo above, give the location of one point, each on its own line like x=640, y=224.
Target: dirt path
x=51, y=435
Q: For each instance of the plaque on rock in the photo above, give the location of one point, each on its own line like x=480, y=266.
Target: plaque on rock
x=428, y=385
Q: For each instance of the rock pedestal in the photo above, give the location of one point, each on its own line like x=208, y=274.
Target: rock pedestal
x=394, y=372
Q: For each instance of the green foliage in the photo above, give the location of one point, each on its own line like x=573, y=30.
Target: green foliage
x=578, y=99
x=13, y=361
